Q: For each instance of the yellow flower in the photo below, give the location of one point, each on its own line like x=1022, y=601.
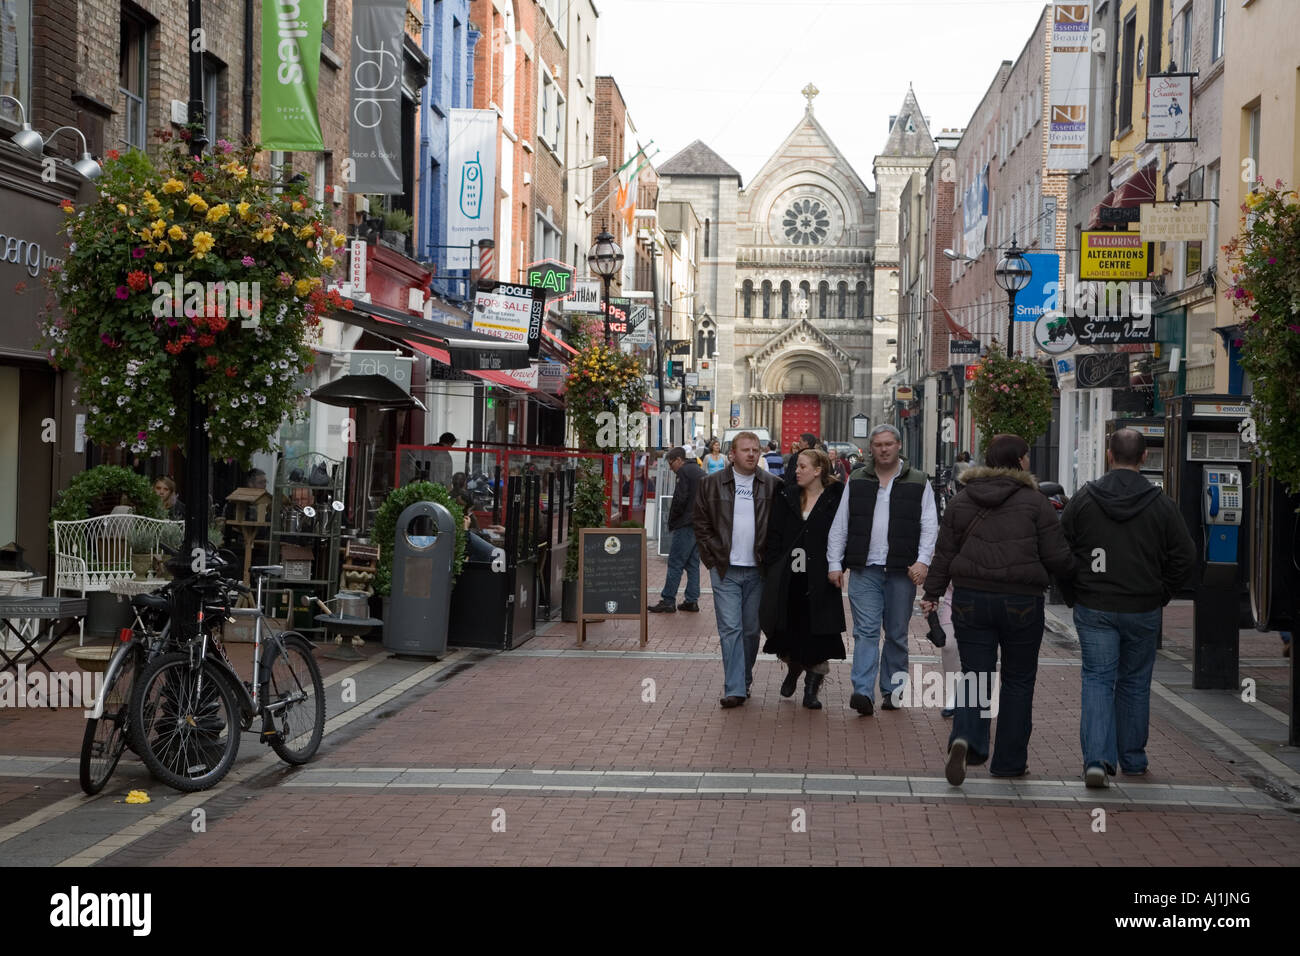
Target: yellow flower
x=327, y=262
x=339, y=239
x=203, y=243
x=298, y=206
x=302, y=287
x=164, y=247
x=305, y=232
x=152, y=204
x=218, y=212
x=266, y=233
x=176, y=232
x=235, y=168
x=173, y=186
x=197, y=202
x=1254, y=200
x=242, y=208
x=146, y=235
x=158, y=267
x=121, y=207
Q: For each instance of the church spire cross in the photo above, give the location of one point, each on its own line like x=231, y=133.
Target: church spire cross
x=810, y=91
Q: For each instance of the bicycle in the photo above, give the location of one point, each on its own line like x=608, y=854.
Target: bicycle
x=190, y=705
x=107, y=727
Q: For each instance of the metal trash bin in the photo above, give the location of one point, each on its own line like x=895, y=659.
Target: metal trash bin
x=421, y=590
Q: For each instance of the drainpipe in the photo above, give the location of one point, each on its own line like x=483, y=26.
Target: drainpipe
x=424, y=198
x=248, y=69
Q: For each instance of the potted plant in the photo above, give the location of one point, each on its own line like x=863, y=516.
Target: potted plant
x=1264, y=290
x=1010, y=396
x=384, y=532
x=98, y=490
x=588, y=512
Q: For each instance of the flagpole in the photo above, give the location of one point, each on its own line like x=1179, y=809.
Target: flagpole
x=614, y=174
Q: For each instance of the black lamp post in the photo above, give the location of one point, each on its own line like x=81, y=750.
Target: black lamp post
x=1012, y=274
x=605, y=260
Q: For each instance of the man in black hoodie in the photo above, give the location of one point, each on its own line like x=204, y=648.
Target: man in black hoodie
x=683, y=554
x=1133, y=554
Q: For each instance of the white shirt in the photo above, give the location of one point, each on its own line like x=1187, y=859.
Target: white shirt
x=878, y=548
x=742, y=523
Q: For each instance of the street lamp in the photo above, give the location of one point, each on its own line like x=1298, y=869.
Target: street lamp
x=86, y=165
x=1012, y=274
x=957, y=256
x=605, y=260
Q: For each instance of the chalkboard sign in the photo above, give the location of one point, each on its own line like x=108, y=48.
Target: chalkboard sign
x=611, y=577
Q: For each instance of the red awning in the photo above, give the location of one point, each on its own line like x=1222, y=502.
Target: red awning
x=559, y=341
x=649, y=409
x=1137, y=189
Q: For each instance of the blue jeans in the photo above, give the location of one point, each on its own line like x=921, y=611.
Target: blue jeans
x=735, y=604
x=1119, y=653
x=877, y=594
x=683, y=555
x=984, y=622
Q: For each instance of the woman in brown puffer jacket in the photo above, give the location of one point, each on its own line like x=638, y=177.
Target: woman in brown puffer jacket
x=1000, y=544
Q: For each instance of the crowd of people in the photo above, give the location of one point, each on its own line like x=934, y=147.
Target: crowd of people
x=783, y=538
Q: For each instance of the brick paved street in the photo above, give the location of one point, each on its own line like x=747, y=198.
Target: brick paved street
x=611, y=755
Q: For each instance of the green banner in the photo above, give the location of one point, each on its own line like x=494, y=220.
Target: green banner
x=291, y=38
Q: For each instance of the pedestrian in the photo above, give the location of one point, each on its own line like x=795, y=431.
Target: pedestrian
x=1000, y=544
x=839, y=468
x=715, y=461
x=774, y=459
x=731, y=514
x=949, y=657
x=440, y=466
x=801, y=612
x=806, y=440
x=884, y=534
x=172, y=506
x=963, y=463
x=683, y=555
x=1133, y=553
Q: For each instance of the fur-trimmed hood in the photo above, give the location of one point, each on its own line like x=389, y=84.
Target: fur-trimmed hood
x=991, y=487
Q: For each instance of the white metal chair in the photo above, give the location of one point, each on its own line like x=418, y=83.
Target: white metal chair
x=15, y=585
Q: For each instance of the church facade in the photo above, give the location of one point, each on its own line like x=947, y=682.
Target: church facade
x=789, y=283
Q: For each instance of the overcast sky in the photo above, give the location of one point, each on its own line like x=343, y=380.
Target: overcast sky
x=729, y=72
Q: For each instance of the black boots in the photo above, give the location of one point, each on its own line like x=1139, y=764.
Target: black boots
x=811, y=684
x=791, y=680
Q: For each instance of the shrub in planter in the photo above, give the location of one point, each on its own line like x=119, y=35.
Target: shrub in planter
x=89, y=490
x=384, y=532
x=588, y=510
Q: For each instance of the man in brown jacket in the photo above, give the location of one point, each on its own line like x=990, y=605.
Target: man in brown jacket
x=731, y=511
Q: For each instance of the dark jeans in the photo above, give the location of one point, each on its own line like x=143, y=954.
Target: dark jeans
x=683, y=555
x=985, y=621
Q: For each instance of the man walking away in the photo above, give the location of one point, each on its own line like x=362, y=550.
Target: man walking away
x=884, y=533
x=775, y=463
x=682, y=553
x=804, y=441
x=1133, y=554
x=731, y=512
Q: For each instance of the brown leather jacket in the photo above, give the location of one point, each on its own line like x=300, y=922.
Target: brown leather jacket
x=714, y=505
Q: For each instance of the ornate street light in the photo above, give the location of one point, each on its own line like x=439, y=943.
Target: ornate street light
x=1012, y=274
x=605, y=260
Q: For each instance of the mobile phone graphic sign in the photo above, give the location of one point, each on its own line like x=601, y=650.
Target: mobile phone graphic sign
x=472, y=164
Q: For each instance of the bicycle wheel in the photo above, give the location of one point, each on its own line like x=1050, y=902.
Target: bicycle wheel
x=186, y=721
x=106, y=736
x=293, y=700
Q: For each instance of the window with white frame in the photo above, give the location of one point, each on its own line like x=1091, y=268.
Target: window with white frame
x=1185, y=58
x=1220, y=8
x=133, y=75
x=548, y=244
x=550, y=115
x=15, y=55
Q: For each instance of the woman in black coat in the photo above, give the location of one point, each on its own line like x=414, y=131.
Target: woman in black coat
x=800, y=611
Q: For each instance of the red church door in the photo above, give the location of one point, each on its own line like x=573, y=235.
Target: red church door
x=799, y=414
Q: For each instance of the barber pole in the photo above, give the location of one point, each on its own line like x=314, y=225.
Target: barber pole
x=486, y=260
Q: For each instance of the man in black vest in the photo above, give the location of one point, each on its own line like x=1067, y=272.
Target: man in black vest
x=884, y=533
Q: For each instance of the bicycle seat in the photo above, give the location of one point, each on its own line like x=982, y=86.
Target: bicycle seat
x=156, y=601
x=269, y=569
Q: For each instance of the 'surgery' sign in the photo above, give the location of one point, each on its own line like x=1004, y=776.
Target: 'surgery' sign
x=26, y=253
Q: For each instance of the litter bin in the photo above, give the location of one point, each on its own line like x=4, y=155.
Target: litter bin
x=424, y=547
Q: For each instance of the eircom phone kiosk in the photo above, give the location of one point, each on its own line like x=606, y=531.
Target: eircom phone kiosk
x=1221, y=505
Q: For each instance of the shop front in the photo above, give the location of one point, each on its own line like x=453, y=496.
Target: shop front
x=42, y=442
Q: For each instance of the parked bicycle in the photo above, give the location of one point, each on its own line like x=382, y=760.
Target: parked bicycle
x=189, y=705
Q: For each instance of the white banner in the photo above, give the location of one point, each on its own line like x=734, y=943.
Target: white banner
x=975, y=214
x=585, y=296
x=1067, y=134
x=1169, y=107
x=472, y=182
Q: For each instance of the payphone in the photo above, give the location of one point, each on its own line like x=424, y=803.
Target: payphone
x=1221, y=505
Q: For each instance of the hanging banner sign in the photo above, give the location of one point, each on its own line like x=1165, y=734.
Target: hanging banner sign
x=1165, y=222
x=618, y=314
x=975, y=214
x=291, y=32
x=555, y=279
x=1067, y=133
x=585, y=296
x=1169, y=108
x=510, y=312
x=471, y=183
x=375, y=145
x=1042, y=292
x=1113, y=255
x=1103, y=370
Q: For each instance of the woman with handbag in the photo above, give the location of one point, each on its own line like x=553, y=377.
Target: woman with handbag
x=1000, y=543
x=800, y=611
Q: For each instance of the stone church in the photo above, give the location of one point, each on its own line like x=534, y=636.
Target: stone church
x=787, y=277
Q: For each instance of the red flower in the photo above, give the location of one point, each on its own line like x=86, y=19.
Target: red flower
x=137, y=280
x=212, y=361
x=174, y=348
x=197, y=176
x=231, y=371
x=218, y=324
x=207, y=341
x=113, y=154
x=186, y=339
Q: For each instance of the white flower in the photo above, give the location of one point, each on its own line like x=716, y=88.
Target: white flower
x=94, y=409
x=234, y=403
x=104, y=381
x=121, y=400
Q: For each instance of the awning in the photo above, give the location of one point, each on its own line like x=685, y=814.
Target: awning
x=1132, y=193
x=458, y=348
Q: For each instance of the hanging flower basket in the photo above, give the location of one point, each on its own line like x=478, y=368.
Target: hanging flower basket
x=1264, y=258
x=1010, y=396
x=190, y=275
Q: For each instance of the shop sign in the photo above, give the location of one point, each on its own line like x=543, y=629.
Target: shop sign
x=618, y=314
x=510, y=312
x=1169, y=108
x=1102, y=370
x=392, y=366
x=1167, y=222
x=903, y=393
x=964, y=346
x=1113, y=330
x=585, y=297
x=1221, y=411
x=1113, y=255
x=551, y=376
x=555, y=279
x=525, y=377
